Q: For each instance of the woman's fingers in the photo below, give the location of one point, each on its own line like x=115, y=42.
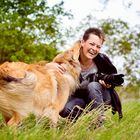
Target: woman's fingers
x=59, y=68
x=104, y=84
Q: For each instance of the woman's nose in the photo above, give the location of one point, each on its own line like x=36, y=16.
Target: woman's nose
x=94, y=47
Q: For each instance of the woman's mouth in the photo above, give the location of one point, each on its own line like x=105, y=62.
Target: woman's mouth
x=92, y=52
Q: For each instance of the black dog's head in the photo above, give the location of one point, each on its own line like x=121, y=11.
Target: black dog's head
x=111, y=79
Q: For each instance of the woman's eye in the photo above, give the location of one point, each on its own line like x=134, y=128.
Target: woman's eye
x=93, y=44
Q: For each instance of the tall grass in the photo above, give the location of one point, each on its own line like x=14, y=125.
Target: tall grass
x=83, y=129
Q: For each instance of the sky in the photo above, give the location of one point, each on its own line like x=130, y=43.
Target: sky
x=114, y=9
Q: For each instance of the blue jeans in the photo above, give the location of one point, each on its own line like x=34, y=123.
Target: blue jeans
x=95, y=94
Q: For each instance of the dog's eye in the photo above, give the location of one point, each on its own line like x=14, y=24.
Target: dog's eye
x=70, y=61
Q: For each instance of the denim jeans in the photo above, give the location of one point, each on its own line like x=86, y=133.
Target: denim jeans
x=95, y=94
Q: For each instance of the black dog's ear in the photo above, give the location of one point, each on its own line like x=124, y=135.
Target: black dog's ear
x=114, y=79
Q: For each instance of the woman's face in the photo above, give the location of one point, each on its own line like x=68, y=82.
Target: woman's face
x=91, y=47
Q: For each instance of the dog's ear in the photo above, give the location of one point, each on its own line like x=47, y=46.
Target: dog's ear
x=76, y=50
x=62, y=57
x=58, y=58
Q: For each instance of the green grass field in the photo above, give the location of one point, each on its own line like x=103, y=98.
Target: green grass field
x=126, y=129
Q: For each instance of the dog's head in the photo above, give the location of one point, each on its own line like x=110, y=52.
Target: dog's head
x=76, y=50
x=70, y=55
x=70, y=59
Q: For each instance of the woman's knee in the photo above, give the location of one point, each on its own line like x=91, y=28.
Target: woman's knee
x=65, y=112
x=73, y=108
x=95, y=93
x=95, y=86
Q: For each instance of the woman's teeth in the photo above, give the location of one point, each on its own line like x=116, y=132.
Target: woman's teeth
x=92, y=52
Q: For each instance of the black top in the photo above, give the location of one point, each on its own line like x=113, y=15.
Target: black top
x=105, y=66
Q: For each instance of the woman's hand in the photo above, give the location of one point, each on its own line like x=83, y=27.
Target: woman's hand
x=59, y=68
x=104, y=84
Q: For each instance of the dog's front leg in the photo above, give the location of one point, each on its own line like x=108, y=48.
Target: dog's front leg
x=52, y=114
x=16, y=118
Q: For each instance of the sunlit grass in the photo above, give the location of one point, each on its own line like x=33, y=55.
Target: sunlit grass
x=82, y=129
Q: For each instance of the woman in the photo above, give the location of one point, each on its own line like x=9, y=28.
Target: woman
x=96, y=91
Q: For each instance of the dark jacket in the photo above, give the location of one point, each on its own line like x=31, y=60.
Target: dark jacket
x=105, y=66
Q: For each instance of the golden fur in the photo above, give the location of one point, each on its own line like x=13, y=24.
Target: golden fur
x=33, y=88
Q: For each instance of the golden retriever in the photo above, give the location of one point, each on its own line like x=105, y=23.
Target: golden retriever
x=32, y=88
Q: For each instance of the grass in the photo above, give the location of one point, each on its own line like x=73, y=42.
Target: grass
x=83, y=129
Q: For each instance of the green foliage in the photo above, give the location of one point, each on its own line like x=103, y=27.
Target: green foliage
x=124, y=42
x=129, y=92
x=126, y=129
x=30, y=30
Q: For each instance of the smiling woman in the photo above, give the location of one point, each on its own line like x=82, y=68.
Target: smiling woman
x=94, y=92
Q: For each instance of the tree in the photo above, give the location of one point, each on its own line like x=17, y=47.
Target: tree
x=30, y=30
x=124, y=42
